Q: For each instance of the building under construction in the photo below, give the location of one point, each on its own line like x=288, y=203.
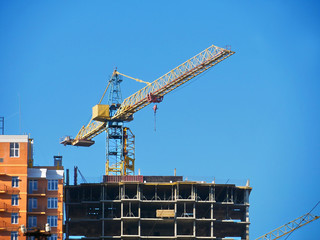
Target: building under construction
x=156, y=207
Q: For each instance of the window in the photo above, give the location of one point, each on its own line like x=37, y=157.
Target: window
x=32, y=221
x=32, y=204
x=33, y=185
x=14, y=218
x=52, y=203
x=53, y=221
x=14, y=149
x=15, y=200
x=52, y=185
x=53, y=237
x=15, y=182
x=14, y=235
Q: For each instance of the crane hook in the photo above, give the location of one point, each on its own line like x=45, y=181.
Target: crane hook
x=155, y=108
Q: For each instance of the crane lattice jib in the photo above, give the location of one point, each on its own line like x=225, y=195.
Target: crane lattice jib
x=289, y=227
x=173, y=79
x=93, y=129
x=163, y=85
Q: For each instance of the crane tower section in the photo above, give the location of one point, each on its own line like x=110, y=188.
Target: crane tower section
x=119, y=139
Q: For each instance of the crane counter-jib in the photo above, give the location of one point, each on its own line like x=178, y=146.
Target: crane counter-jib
x=173, y=79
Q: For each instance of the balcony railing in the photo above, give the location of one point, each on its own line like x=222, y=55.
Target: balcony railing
x=4, y=226
x=40, y=192
x=8, y=208
x=4, y=189
x=39, y=210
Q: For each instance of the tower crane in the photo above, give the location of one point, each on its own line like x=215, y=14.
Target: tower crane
x=110, y=117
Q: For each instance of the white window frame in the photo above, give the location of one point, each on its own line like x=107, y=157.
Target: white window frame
x=15, y=200
x=32, y=221
x=53, y=185
x=14, y=235
x=14, y=149
x=15, y=182
x=53, y=203
x=52, y=220
x=14, y=218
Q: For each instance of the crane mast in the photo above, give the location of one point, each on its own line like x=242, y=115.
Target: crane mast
x=119, y=139
x=111, y=117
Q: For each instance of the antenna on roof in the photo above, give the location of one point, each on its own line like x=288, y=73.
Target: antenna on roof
x=19, y=113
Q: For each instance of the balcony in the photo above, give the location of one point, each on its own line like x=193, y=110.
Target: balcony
x=3, y=172
x=4, y=226
x=37, y=211
x=4, y=189
x=8, y=208
x=40, y=192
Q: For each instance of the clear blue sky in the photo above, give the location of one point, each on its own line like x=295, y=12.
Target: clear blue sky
x=254, y=116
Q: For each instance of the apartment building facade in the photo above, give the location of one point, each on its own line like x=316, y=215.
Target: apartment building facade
x=29, y=195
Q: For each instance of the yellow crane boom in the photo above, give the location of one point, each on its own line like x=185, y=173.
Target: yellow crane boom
x=289, y=227
x=173, y=79
x=153, y=92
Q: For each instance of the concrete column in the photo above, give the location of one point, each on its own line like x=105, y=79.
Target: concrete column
x=211, y=223
x=247, y=220
x=192, y=192
x=121, y=230
x=155, y=192
x=172, y=193
x=214, y=193
x=102, y=215
x=121, y=227
x=121, y=209
x=139, y=210
x=139, y=228
x=227, y=194
x=232, y=191
x=246, y=196
x=247, y=213
x=139, y=214
x=175, y=218
x=194, y=222
x=177, y=191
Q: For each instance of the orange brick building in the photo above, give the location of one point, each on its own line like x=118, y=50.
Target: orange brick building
x=29, y=195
